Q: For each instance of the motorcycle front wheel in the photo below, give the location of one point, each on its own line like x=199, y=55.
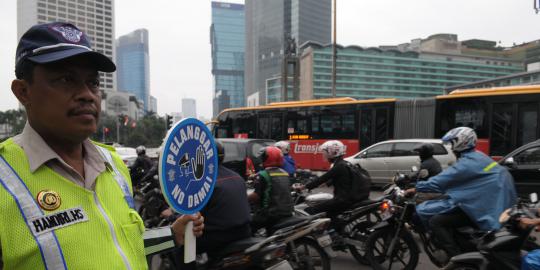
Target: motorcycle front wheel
x=310, y=256
x=361, y=233
x=404, y=255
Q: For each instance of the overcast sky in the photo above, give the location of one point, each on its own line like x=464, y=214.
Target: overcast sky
x=180, y=61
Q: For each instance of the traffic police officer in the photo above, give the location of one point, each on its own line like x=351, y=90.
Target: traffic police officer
x=66, y=201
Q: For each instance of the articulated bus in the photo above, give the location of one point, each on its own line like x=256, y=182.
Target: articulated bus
x=504, y=119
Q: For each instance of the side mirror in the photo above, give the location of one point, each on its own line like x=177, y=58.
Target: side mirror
x=362, y=155
x=509, y=162
x=533, y=197
x=414, y=169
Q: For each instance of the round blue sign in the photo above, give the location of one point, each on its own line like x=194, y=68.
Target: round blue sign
x=188, y=166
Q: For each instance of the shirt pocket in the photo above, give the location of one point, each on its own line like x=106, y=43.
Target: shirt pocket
x=133, y=232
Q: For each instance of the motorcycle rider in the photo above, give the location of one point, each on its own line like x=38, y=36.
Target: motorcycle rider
x=427, y=162
x=477, y=191
x=227, y=213
x=289, y=165
x=272, y=192
x=141, y=166
x=346, y=191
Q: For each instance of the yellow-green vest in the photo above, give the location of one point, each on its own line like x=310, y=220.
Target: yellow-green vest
x=111, y=238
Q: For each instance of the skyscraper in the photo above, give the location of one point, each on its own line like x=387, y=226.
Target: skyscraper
x=189, y=107
x=227, y=37
x=94, y=17
x=133, y=65
x=269, y=27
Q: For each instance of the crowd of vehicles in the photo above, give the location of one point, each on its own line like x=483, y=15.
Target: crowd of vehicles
x=504, y=119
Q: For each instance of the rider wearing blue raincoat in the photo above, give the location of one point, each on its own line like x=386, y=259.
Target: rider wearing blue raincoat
x=476, y=184
x=477, y=191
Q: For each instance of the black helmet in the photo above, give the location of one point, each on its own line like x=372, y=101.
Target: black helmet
x=425, y=151
x=220, y=151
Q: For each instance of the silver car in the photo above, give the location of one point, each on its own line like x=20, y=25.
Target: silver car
x=383, y=160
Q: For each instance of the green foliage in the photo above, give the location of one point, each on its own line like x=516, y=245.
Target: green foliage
x=149, y=131
x=13, y=122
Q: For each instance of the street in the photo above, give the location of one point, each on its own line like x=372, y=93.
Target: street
x=346, y=261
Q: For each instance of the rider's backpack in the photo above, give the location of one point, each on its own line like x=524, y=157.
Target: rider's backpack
x=360, y=181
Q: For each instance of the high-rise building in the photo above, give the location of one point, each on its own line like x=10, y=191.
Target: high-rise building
x=153, y=104
x=271, y=28
x=227, y=35
x=366, y=73
x=94, y=17
x=133, y=65
x=189, y=107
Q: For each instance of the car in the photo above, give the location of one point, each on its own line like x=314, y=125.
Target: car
x=384, y=159
x=128, y=155
x=524, y=165
x=241, y=154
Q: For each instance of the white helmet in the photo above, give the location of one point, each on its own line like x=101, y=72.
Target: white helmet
x=461, y=138
x=284, y=146
x=141, y=150
x=332, y=149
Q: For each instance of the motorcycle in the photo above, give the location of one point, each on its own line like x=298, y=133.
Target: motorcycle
x=391, y=243
x=250, y=253
x=501, y=249
x=308, y=242
x=349, y=229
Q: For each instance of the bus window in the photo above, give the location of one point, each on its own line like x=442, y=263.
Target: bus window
x=381, y=129
x=528, y=123
x=244, y=123
x=501, y=129
x=365, y=128
x=264, y=127
x=458, y=113
x=297, y=122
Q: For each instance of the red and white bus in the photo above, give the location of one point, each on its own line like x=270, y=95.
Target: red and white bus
x=504, y=119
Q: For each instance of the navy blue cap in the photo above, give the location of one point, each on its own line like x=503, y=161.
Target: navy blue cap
x=51, y=42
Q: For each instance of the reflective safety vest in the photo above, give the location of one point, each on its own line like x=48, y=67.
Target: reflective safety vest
x=87, y=230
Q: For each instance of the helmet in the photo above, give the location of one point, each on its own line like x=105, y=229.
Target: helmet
x=425, y=150
x=220, y=151
x=332, y=149
x=271, y=156
x=461, y=138
x=141, y=150
x=284, y=146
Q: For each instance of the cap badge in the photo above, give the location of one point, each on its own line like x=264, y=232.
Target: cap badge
x=48, y=200
x=70, y=34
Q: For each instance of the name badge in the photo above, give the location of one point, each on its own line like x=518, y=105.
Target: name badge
x=57, y=220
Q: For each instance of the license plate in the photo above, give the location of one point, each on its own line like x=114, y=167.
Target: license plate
x=324, y=240
x=283, y=265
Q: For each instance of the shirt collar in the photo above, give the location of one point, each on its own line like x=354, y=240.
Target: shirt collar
x=39, y=152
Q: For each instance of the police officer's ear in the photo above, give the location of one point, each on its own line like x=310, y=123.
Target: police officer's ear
x=20, y=90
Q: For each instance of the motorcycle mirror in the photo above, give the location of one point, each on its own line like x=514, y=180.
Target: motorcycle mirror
x=533, y=197
x=414, y=169
x=505, y=216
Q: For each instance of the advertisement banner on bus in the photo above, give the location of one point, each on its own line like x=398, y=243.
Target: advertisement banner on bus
x=307, y=156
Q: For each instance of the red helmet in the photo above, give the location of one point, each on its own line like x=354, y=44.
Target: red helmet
x=271, y=156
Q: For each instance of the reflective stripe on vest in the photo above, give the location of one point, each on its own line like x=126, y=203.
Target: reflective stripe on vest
x=118, y=177
x=50, y=249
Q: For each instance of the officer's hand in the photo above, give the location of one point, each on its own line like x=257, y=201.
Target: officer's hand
x=179, y=226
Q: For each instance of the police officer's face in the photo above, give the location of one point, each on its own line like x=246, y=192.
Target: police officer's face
x=64, y=101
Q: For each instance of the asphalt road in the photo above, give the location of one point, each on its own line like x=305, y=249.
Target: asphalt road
x=346, y=261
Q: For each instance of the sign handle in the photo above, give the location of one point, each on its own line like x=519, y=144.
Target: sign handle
x=190, y=244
